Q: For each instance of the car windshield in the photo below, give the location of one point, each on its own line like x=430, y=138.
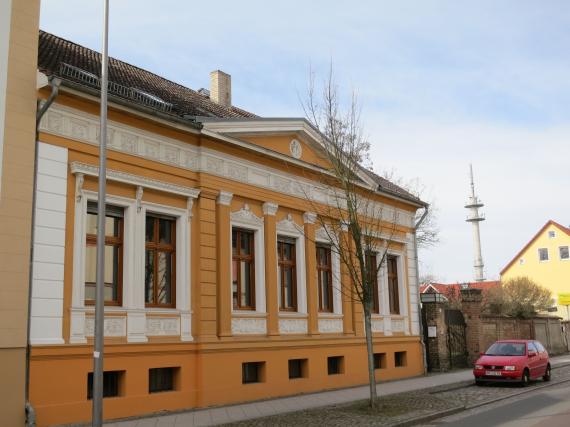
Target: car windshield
x=506, y=349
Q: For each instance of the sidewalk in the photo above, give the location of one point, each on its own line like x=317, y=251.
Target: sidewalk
x=240, y=412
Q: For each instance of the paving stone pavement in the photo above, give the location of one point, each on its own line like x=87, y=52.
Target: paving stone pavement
x=401, y=400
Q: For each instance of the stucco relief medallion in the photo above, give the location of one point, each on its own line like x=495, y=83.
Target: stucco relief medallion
x=295, y=149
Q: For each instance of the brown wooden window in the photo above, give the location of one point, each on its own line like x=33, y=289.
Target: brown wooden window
x=243, y=269
x=113, y=276
x=286, y=274
x=324, y=274
x=372, y=267
x=393, y=291
x=160, y=261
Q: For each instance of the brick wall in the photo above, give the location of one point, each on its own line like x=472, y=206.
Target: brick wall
x=471, y=307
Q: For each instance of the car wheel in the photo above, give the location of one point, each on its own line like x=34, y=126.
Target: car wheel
x=525, y=379
x=547, y=374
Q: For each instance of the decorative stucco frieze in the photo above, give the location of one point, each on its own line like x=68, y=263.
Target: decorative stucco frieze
x=248, y=326
x=162, y=326
x=328, y=326
x=71, y=123
x=293, y=326
x=398, y=325
x=377, y=325
x=114, y=326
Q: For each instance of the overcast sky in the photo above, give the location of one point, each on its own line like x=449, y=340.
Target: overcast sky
x=441, y=84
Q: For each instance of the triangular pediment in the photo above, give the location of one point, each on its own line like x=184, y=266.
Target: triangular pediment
x=293, y=138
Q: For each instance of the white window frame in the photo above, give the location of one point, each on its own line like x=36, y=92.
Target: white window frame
x=547, y=255
x=183, y=258
x=560, y=255
x=259, y=261
x=78, y=307
x=336, y=279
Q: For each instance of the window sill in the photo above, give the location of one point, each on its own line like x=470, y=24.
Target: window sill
x=248, y=313
x=293, y=314
x=330, y=315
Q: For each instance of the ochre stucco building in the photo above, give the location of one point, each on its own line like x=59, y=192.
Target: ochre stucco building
x=220, y=285
x=19, y=22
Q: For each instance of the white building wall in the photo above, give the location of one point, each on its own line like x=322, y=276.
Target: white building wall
x=49, y=246
x=413, y=284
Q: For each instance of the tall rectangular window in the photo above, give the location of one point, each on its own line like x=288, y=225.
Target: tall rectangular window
x=286, y=275
x=393, y=291
x=564, y=253
x=324, y=274
x=113, y=275
x=243, y=269
x=372, y=267
x=543, y=254
x=160, y=261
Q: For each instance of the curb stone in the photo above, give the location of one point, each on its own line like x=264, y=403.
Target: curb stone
x=429, y=417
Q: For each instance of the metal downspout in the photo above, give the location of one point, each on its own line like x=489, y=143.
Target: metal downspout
x=30, y=412
x=423, y=217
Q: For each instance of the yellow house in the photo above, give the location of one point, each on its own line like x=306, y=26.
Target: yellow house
x=546, y=260
x=220, y=285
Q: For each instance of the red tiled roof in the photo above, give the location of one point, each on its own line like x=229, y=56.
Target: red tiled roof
x=454, y=288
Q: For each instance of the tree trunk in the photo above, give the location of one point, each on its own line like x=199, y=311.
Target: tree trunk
x=370, y=352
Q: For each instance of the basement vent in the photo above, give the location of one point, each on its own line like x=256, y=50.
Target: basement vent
x=131, y=93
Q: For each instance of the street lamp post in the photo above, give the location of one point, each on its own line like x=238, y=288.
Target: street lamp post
x=97, y=420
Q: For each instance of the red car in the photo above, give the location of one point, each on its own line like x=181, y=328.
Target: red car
x=513, y=361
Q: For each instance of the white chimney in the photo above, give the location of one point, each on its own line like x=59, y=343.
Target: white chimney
x=221, y=88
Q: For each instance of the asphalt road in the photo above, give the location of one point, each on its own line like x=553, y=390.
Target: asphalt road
x=548, y=407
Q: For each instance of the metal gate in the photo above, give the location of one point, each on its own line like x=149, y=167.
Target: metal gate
x=456, y=340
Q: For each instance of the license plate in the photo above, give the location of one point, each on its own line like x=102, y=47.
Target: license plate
x=493, y=373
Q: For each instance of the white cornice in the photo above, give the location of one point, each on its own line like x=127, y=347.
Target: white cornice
x=136, y=180
x=80, y=126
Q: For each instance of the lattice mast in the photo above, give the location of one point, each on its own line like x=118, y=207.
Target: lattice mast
x=474, y=217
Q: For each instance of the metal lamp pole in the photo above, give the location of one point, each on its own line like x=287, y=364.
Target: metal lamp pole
x=97, y=420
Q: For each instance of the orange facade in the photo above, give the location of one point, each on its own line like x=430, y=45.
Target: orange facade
x=209, y=188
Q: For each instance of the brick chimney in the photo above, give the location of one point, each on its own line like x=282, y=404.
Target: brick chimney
x=221, y=88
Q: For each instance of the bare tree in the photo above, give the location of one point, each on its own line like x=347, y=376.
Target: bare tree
x=427, y=233
x=359, y=227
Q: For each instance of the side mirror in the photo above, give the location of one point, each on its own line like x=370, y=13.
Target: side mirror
x=481, y=353
x=531, y=353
